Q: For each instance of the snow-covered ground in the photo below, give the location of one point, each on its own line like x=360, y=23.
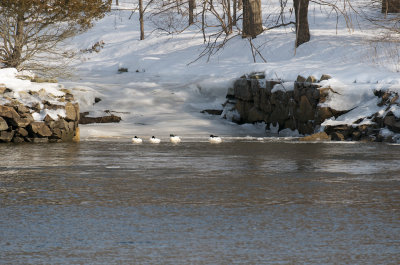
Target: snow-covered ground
x=163, y=92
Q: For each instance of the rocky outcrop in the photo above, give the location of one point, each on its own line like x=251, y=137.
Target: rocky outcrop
x=293, y=106
x=107, y=118
x=300, y=106
x=23, y=123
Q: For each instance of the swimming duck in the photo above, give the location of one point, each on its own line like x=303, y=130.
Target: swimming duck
x=174, y=139
x=214, y=139
x=137, y=140
x=154, y=140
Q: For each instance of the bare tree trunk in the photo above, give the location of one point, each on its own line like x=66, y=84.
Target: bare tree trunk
x=390, y=6
x=302, y=28
x=252, y=18
x=240, y=4
x=229, y=12
x=234, y=12
x=16, y=56
x=192, y=6
x=116, y=2
x=141, y=19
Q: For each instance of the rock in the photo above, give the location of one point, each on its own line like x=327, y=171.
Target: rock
x=290, y=124
x=305, y=111
x=3, y=88
x=77, y=112
x=321, y=136
x=23, y=132
x=356, y=135
x=70, y=112
x=22, y=109
x=20, y=122
x=28, y=116
x=3, y=124
x=300, y=79
x=48, y=119
x=67, y=135
x=305, y=127
x=311, y=79
x=6, y=136
x=392, y=123
x=337, y=136
x=105, y=119
x=18, y=140
x=242, y=89
x=280, y=114
x=323, y=113
x=325, y=77
x=212, y=111
x=8, y=112
x=255, y=115
x=77, y=136
x=40, y=128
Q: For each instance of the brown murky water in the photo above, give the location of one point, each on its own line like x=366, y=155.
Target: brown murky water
x=240, y=202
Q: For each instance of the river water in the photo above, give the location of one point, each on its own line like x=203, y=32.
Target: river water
x=239, y=202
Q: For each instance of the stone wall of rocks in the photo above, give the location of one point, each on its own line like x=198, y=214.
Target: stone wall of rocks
x=18, y=125
x=255, y=100
x=298, y=107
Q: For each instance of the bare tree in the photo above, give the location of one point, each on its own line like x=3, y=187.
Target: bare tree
x=31, y=27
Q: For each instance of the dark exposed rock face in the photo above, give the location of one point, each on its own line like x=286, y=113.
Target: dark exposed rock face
x=103, y=119
x=300, y=107
x=294, y=108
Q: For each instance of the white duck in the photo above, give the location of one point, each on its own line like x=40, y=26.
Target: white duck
x=214, y=139
x=154, y=140
x=174, y=139
x=137, y=140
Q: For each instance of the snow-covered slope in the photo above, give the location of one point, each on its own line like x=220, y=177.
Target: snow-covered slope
x=163, y=92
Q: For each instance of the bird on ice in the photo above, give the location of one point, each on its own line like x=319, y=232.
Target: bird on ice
x=154, y=140
x=214, y=139
x=137, y=140
x=174, y=139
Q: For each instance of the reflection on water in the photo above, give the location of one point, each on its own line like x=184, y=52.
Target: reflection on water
x=240, y=202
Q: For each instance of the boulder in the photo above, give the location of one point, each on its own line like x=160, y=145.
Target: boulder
x=20, y=122
x=242, y=89
x=337, y=136
x=311, y=79
x=8, y=112
x=23, y=132
x=6, y=136
x=18, y=140
x=70, y=112
x=3, y=88
x=323, y=113
x=3, y=124
x=40, y=129
x=325, y=77
x=300, y=79
x=305, y=112
x=77, y=136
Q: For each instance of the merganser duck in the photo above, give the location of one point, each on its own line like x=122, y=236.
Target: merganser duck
x=174, y=139
x=214, y=139
x=137, y=140
x=154, y=140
